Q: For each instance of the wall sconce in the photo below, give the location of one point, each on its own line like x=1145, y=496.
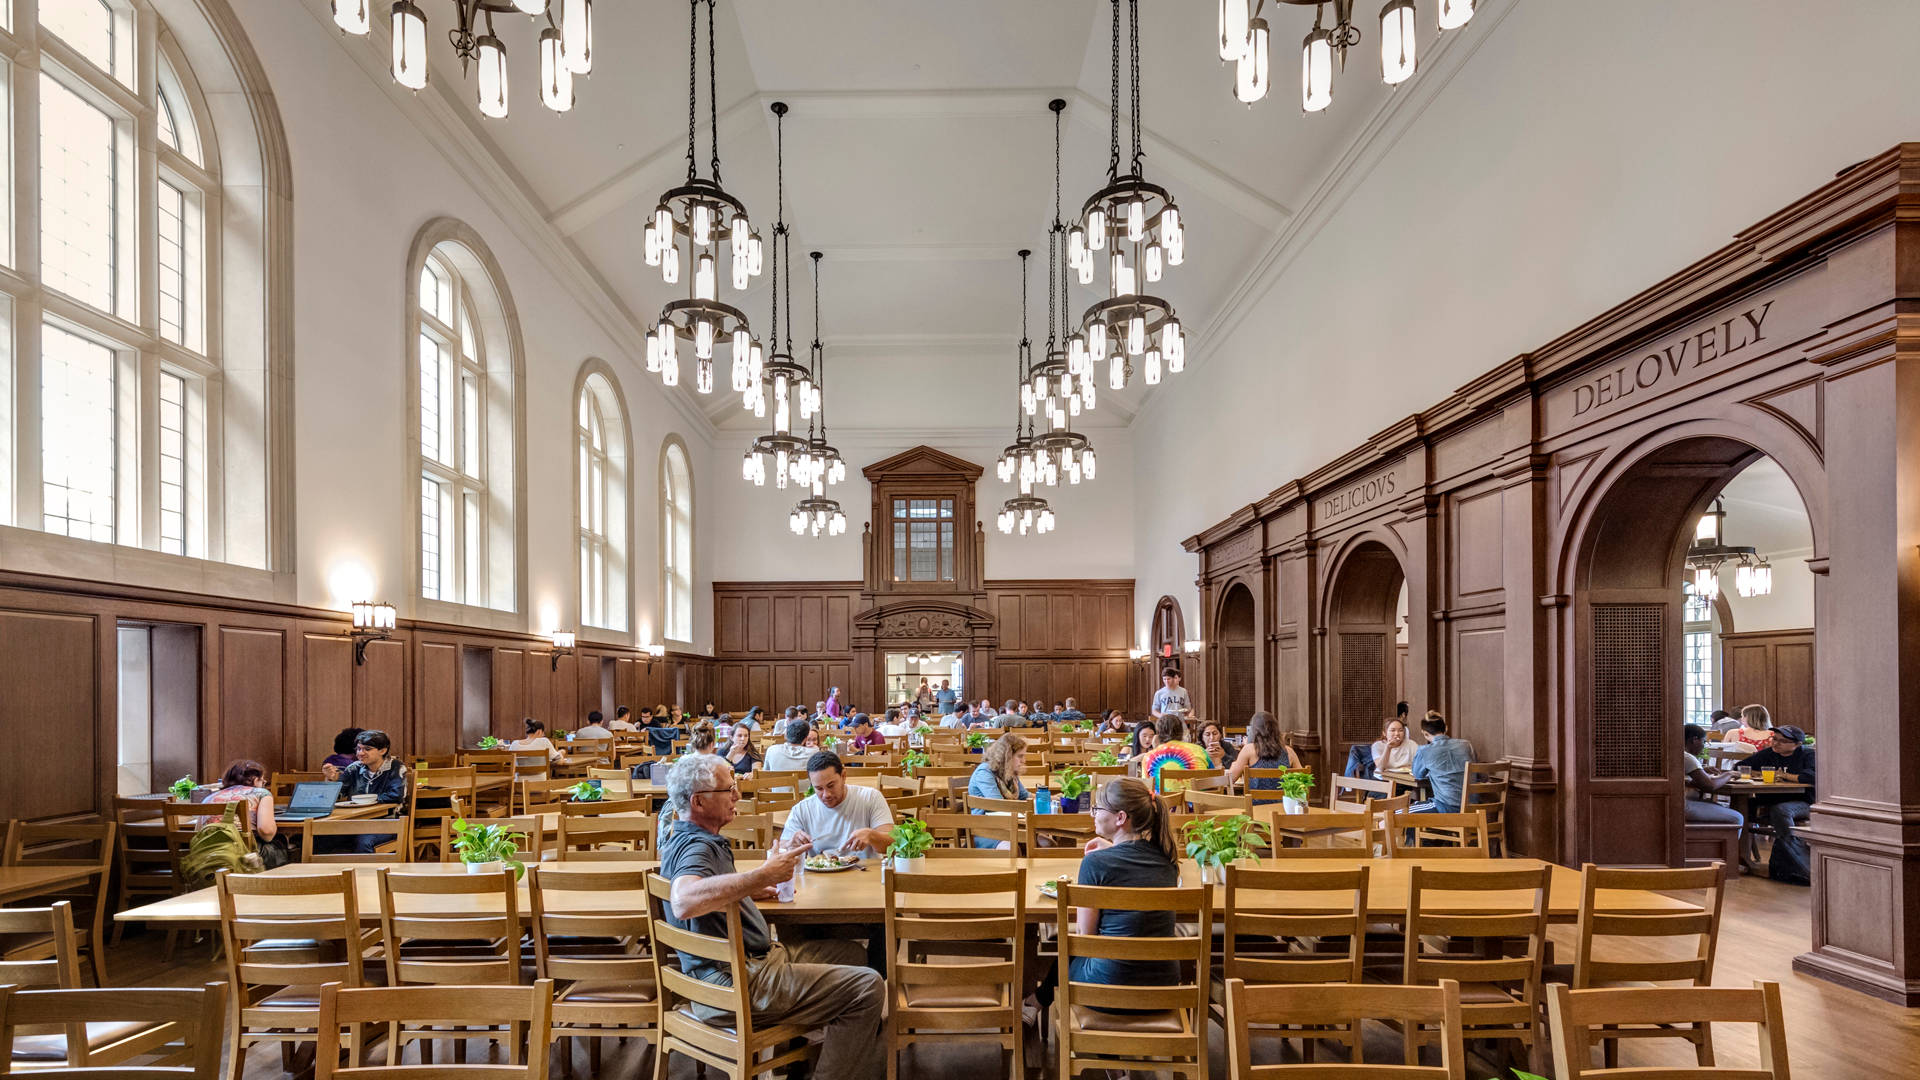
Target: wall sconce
x=371, y=622
x=1139, y=656
x=655, y=651
x=562, y=646
x=1193, y=645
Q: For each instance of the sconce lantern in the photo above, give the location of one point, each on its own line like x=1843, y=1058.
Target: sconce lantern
x=371, y=622
x=1193, y=645
x=562, y=646
x=655, y=651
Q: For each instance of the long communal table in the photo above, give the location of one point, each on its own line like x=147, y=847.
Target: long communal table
x=859, y=896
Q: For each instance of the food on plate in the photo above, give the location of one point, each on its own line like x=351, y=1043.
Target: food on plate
x=831, y=861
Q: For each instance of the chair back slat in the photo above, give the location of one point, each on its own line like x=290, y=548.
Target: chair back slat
x=1581, y=1018
x=1622, y=934
x=523, y=1015
x=1332, y=908
x=1423, y=1014
x=421, y=916
x=189, y=1017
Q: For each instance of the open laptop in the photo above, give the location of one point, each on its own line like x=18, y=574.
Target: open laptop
x=311, y=799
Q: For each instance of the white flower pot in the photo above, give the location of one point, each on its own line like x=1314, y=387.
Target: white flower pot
x=485, y=867
x=1291, y=805
x=904, y=865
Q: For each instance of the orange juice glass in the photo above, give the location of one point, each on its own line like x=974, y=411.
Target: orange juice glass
x=1766, y=776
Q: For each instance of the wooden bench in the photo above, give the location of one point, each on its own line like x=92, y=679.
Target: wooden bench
x=1706, y=842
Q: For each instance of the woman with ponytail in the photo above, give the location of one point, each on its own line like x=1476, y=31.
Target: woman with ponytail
x=1135, y=849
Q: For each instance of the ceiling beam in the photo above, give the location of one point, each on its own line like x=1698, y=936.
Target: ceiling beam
x=1092, y=113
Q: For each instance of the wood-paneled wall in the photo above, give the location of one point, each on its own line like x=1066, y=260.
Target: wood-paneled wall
x=271, y=682
x=1062, y=639
x=1772, y=668
x=781, y=643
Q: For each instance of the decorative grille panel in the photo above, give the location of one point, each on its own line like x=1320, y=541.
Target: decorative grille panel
x=1239, y=683
x=1363, y=689
x=1630, y=731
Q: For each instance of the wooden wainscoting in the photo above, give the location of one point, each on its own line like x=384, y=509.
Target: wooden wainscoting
x=1772, y=668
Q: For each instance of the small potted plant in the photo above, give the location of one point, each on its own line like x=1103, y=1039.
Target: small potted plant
x=559, y=735
x=182, y=789
x=918, y=737
x=909, y=845
x=488, y=848
x=1293, y=792
x=977, y=742
x=1071, y=783
x=910, y=761
x=1105, y=759
x=488, y=742
x=588, y=791
x=828, y=742
x=1213, y=842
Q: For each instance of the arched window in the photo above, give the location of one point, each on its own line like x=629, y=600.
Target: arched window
x=676, y=541
x=144, y=410
x=601, y=463
x=464, y=396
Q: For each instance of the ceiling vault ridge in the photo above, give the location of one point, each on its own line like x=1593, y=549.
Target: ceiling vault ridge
x=1187, y=167
x=445, y=128
x=654, y=171
x=1371, y=145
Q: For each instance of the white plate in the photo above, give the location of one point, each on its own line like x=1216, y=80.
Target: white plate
x=831, y=869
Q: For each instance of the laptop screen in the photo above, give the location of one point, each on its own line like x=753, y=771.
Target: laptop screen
x=314, y=795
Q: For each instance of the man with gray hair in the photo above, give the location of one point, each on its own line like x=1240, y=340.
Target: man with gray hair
x=810, y=983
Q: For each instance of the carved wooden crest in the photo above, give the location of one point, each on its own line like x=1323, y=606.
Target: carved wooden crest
x=924, y=624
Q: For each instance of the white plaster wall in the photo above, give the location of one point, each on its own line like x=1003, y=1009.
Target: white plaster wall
x=1093, y=537
x=365, y=180
x=1788, y=607
x=1584, y=152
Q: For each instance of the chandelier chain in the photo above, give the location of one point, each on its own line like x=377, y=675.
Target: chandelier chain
x=713, y=98
x=1133, y=10
x=1113, y=107
x=818, y=361
x=693, y=83
x=1053, y=239
x=780, y=213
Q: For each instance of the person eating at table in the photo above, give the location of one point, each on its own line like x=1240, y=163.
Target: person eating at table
x=1134, y=847
x=1266, y=748
x=702, y=740
x=536, y=739
x=998, y=777
x=1755, y=728
x=376, y=772
x=864, y=736
x=792, y=755
x=838, y=816
x=1442, y=763
x=1703, y=783
x=1791, y=761
x=1395, y=747
x=807, y=983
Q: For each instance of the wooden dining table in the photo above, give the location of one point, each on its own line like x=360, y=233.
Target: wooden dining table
x=25, y=882
x=858, y=895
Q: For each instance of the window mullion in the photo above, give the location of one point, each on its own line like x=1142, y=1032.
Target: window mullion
x=140, y=431
x=90, y=82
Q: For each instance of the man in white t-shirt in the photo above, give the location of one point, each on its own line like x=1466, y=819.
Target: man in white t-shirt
x=1171, y=699
x=838, y=816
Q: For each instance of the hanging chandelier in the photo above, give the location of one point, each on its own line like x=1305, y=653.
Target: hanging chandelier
x=1135, y=226
x=701, y=214
x=818, y=463
x=1244, y=33
x=1025, y=511
x=1051, y=383
x=566, y=44
x=1753, y=576
x=769, y=382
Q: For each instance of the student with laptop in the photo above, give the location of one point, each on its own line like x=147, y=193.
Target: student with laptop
x=374, y=772
x=246, y=782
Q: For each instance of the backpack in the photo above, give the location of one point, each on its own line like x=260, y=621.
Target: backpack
x=226, y=844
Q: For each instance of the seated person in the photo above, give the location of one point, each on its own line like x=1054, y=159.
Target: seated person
x=1395, y=747
x=246, y=782
x=1113, y=722
x=622, y=720
x=1212, y=738
x=810, y=983
x=1792, y=761
x=1442, y=763
x=1134, y=848
x=661, y=733
x=1267, y=747
x=595, y=728
x=1703, y=782
x=709, y=713
x=1145, y=734
x=792, y=755
x=864, y=736
x=998, y=777
x=1069, y=713
x=377, y=773
x=1041, y=716
x=956, y=719
x=753, y=718
x=1755, y=730
x=899, y=723
x=536, y=740
x=703, y=740
x=342, y=755
x=740, y=751
x=838, y=816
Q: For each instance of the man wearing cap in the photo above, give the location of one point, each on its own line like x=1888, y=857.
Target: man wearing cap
x=1791, y=760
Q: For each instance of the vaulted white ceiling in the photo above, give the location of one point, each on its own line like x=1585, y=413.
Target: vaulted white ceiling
x=919, y=159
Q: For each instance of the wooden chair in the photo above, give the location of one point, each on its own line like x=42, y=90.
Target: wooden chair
x=983, y=803
x=526, y=1012
x=1271, y=794
x=1502, y=914
x=599, y=960
x=953, y=834
x=1173, y=781
x=896, y=786
x=1168, y=1030
x=424, y=762
x=1329, y=939
x=192, y=1016
x=33, y=844
x=447, y=930
x=910, y=804
x=1434, y=1009
x=751, y=832
x=531, y=830
x=1060, y=832
x=1200, y=801
x=432, y=799
x=106, y=1043
x=1466, y=836
x=143, y=870
x=395, y=850
x=1695, y=931
x=1487, y=796
x=955, y=978
x=607, y=808
x=605, y=839
x=541, y=796
x=1579, y=1018
x=273, y=991
x=730, y=1040
x=1354, y=793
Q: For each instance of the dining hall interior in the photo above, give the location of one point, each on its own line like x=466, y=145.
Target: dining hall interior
x=462, y=631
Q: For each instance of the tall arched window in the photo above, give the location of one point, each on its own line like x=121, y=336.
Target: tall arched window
x=464, y=396
x=600, y=434
x=139, y=412
x=676, y=541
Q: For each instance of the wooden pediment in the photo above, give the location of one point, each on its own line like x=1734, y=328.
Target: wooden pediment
x=922, y=461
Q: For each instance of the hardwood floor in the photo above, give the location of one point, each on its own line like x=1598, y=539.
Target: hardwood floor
x=1830, y=1031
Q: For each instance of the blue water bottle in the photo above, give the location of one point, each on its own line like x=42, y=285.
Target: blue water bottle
x=1043, y=801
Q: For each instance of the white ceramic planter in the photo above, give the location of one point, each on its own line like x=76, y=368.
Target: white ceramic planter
x=1292, y=805
x=485, y=867
x=904, y=865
